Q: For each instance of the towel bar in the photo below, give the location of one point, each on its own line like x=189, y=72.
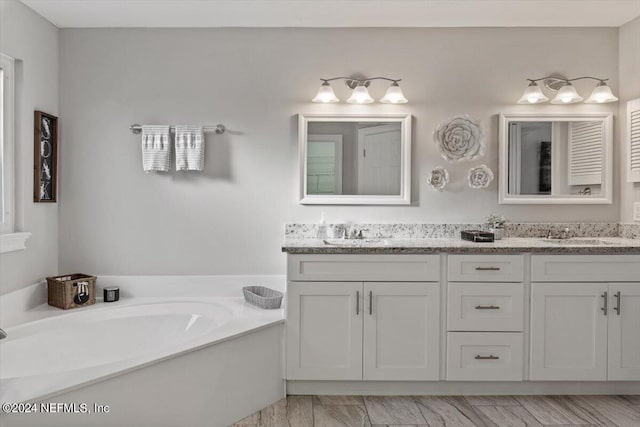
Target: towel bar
x=219, y=129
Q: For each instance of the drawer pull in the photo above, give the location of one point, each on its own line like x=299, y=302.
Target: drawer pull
x=618, y=297
x=487, y=307
x=605, y=305
x=488, y=268
x=490, y=357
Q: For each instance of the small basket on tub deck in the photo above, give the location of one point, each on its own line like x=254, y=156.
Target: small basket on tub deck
x=262, y=297
x=71, y=290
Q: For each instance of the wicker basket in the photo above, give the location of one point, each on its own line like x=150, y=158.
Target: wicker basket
x=262, y=297
x=63, y=291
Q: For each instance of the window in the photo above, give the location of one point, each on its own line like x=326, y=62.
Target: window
x=9, y=239
x=6, y=143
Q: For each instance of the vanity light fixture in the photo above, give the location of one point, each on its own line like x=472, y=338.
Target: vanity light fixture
x=360, y=94
x=567, y=93
x=326, y=94
x=533, y=94
x=394, y=95
x=601, y=94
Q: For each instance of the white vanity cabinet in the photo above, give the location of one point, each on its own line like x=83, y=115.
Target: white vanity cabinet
x=401, y=331
x=568, y=331
x=583, y=327
x=339, y=329
x=324, y=330
x=624, y=332
x=485, y=313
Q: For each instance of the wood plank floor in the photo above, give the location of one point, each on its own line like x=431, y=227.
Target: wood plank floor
x=448, y=411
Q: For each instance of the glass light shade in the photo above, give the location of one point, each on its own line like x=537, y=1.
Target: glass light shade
x=325, y=94
x=360, y=95
x=567, y=95
x=601, y=94
x=533, y=95
x=394, y=95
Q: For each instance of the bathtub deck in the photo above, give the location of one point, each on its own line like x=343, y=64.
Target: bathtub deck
x=459, y=411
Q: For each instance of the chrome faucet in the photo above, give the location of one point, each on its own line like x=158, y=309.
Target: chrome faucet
x=564, y=234
x=3, y=334
x=352, y=233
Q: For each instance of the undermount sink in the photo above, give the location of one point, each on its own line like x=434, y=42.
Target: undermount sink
x=356, y=242
x=579, y=241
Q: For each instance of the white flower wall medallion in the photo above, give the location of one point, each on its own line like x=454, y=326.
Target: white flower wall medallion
x=480, y=177
x=461, y=139
x=438, y=178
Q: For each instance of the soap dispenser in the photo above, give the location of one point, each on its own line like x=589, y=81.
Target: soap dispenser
x=322, y=228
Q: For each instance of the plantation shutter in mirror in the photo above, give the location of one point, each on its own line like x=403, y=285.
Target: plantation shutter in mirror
x=585, y=152
x=633, y=140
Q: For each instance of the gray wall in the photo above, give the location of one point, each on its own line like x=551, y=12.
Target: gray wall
x=33, y=41
x=629, y=45
x=115, y=219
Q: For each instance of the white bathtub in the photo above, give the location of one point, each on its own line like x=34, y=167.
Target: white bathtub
x=99, y=348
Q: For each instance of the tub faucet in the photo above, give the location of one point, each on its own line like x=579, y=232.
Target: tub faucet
x=3, y=334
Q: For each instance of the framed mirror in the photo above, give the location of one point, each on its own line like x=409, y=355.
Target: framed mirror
x=556, y=158
x=355, y=159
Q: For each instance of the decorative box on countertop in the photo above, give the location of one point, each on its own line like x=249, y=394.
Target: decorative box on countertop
x=71, y=290
x=477, y=236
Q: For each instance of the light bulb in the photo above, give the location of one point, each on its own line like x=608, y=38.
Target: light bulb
x=360, y=95
x=601, y=94
x=325, y=94
x=567, y=95
x=394, y=95
x=533, y=95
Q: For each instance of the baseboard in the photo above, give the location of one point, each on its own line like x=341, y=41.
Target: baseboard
x=400, y=388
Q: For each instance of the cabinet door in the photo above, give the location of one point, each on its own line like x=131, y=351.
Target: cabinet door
x=401, y=331
x=624, y=332
x=568, y=331
x=324, y=330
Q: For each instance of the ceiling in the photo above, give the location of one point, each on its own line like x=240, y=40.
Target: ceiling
x=337, y=13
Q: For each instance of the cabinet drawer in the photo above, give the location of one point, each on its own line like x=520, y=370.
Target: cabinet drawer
x=488, y=268
x=397, y=268
x=480, y=356
x=585, y=268
x=485, y=307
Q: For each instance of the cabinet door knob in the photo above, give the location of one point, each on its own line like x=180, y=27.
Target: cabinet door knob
x=490, y=357
x=487, y=307
x=617, y=307
x=488, y=268
x=605, y=306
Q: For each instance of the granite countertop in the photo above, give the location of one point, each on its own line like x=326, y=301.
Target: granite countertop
x=511, y=245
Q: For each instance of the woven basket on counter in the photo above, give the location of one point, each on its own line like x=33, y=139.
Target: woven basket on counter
x=262, y=297
x=63, y=291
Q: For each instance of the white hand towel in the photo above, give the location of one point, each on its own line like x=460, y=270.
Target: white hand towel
x=189, y=148
x=155, y=148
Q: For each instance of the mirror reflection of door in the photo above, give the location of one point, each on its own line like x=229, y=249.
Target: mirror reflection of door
x=556, y=158
x=324, y=164
x=530, y=154
x=379, y=154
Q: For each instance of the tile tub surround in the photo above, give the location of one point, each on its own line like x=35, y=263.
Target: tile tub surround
x=449, y=231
